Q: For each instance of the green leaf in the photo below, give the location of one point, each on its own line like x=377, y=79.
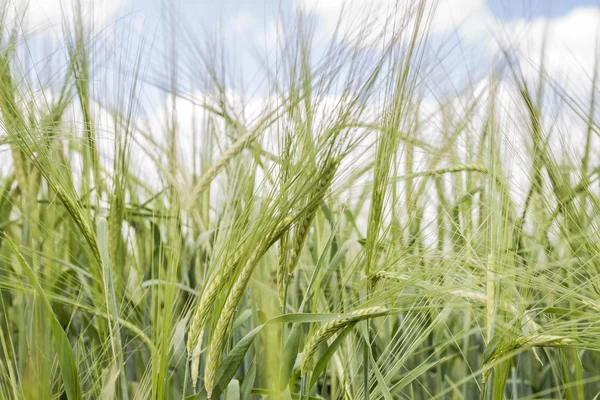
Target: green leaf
x=290, y=354
x=201, y=395
x=233, y=360
x=328, y=214
x=248, y=382
x=243, y=317
x=490, y=349
x=324, y=359
x=565, y=311
x=381, y=384
x=233, y=390
x=337, y=259
x=235, y=357
x=273, y=393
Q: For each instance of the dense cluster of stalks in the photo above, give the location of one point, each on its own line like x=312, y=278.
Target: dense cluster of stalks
x=352, y=231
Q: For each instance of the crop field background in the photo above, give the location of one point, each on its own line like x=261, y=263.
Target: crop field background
x=299, y=199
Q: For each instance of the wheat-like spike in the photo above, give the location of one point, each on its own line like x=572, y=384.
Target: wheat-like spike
x=400, y=278
x=447, y=170
x=12, y=119
x=478, y=297
x=212, y=291
x=528, y=341
x=114, y=229
x=282, y=270
x=64, y=195
x=207, y=299
x=542, y=340
x=525, y=342
x=78, y=217
x=220, y=333
x=302, y=228
x=300, y=234
x=212, y=171
x=19, y=168
x=195, y=358
x=328, y=329
x=203, y=311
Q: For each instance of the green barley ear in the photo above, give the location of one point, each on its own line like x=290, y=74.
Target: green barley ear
x=221, y=331
x=115, y=234
x=212, y=171
x=499, y=347
x=12, y=120
x=303, y=226
x=282, y=270
x=327, y=330
x=203, y=311
x=29, y=150
x=300, y=233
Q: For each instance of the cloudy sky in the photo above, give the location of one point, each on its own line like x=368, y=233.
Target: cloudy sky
x=468, y=30
x=248, y=28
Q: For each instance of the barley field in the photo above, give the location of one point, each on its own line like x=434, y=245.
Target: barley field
x=378, y=210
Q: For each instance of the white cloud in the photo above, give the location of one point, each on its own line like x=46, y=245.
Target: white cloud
x=470, y=17
x=247, y=27
x=570, y=43
x=244, y=22
x=357, y=20
x=49, y=15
